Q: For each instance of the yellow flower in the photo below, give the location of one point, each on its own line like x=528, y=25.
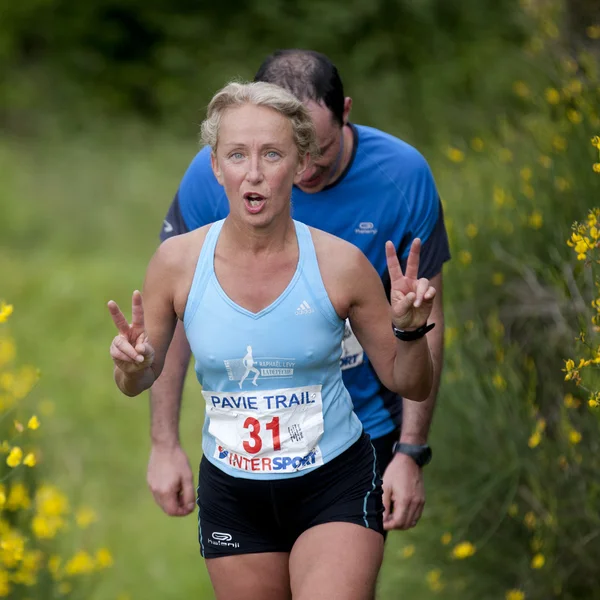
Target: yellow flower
x=18, y=497
x=559, y=143
x=499, y=196
x=520, y=89
x=15, y=457
x=596, y=141
x=538, y=561
x=536, y=544
x=446, y=538
x=535, y=439
x=596, y=167
x=7, y=351
x=530, y=520
x=85, y=516
x=570, y=401
x=463, y=550
x=19, y=426
x=574, y=437
x=434, y=580
x=46, y=527
x=471, y=230
x=505, y=155
x=33, y=423
x=54, y=563
x=82, y=563
x=455, y=155
x=593, y=32
x=515, y=595
x=477, y=144
x=30, y=460
x=51, y=502
x=545, y=161
x=408, y=551
x=526, y=174
x=465, y=257
x=499, y=381
x=574, y=87
x=5, y=311
x=535, y=220
x=574, y=116
x=552, y=95
x=450, y=335
x=104, y=558
x=498, y=278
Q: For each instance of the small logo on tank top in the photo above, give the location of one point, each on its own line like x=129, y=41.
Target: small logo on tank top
x=304, y=308
x=250, y=368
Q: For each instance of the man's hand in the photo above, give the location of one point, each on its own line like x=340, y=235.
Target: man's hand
x=403, y=493
x=171, y=481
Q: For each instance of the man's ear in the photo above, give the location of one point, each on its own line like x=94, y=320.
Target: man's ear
x=303, y=164
x=347, y=109
x=214, y=163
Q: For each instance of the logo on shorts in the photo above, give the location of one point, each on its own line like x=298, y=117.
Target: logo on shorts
x=218, y=538
x=251, y=368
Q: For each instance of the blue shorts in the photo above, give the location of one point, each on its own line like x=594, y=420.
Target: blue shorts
x=242, y=516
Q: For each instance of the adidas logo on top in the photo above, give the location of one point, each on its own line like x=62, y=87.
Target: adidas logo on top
x=304, y=308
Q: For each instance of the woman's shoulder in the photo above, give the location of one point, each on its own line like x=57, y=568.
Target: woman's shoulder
x=178, y=251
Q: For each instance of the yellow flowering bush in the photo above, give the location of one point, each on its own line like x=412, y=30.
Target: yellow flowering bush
x=36, y=518
x=513, y=490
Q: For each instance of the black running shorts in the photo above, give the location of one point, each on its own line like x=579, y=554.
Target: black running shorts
x=242, y=516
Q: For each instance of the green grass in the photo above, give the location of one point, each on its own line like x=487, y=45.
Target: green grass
x=80, y=220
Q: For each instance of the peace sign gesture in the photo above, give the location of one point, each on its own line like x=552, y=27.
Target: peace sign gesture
x=130, y=350
x=411, y=298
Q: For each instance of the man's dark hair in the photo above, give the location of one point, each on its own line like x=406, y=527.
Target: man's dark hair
x=308, y=75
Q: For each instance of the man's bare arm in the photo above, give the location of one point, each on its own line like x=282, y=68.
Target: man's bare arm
x=417, y=416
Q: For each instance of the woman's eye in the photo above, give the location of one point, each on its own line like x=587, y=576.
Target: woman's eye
x=236, y=156
x=273, y=154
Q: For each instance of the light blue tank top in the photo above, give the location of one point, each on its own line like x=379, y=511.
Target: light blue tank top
x=276, y=405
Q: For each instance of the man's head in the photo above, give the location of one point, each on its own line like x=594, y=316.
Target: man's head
x=315, y=80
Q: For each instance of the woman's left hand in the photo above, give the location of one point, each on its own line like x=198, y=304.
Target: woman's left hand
x=411, y=298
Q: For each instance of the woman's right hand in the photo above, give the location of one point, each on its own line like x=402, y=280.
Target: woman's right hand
x=130, y=349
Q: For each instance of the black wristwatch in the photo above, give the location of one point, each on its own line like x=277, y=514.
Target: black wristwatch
x=415, y=334
x=421, y=454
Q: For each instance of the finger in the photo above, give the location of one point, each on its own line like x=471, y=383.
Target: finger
x=430, y=293
x=168, y=502
x=188, y=495
x=418, y=513
x=403, y=305
x=120, y=343
x=422, y=287
x=116, y=354
x=387, y=503
x=393, y=264
x=118, y=317
x=399, y=518
x=412, y=264
x=137, y=310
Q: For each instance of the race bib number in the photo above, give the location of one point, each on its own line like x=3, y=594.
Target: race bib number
x=352, y=351
x=273, y=431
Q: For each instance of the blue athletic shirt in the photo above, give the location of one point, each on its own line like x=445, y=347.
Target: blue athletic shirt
x=387, y=192
x=276, y=405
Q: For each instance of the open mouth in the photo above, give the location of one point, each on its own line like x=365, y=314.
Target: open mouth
x=254, y=202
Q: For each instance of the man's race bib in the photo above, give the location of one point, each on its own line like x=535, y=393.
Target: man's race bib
x=273, y=431
x=352, y=351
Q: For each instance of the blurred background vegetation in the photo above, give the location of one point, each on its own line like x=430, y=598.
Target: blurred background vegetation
x=99, y=110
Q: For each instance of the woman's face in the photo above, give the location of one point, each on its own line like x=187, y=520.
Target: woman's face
x=256, y=161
